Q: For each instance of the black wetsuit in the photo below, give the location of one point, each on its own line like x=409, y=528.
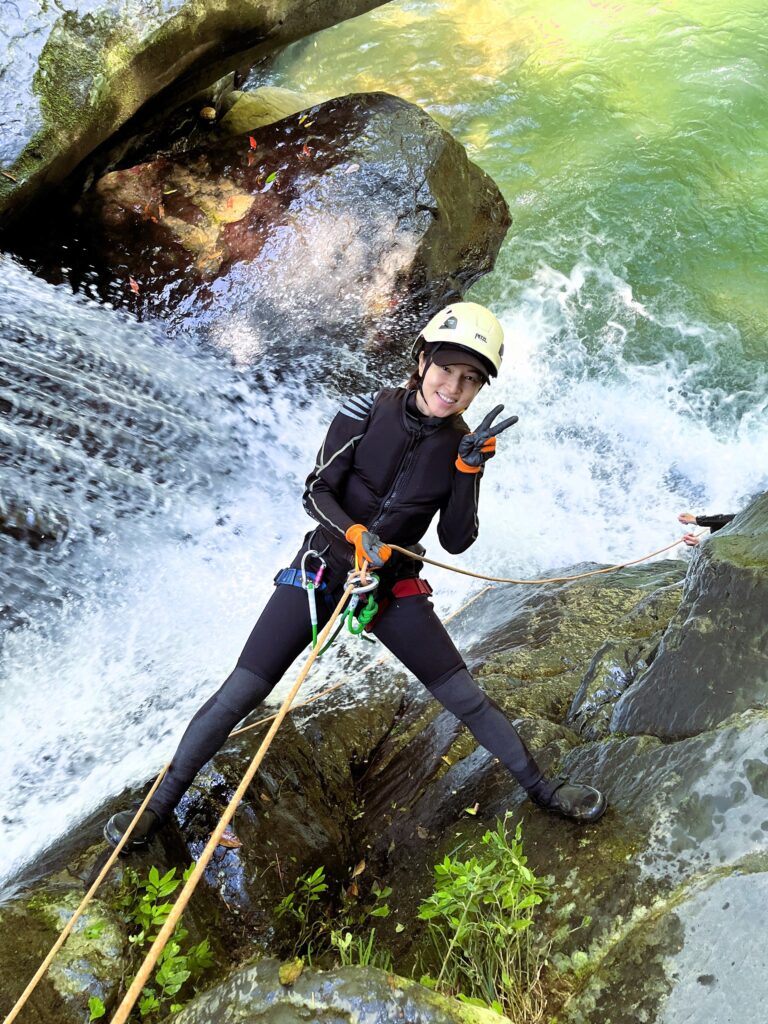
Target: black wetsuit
x=714, y=523
x=385, y=465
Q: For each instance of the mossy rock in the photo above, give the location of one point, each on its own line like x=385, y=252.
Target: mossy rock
x=88, y=964
x=713, y=658
x=246, y=111
x=347, y=995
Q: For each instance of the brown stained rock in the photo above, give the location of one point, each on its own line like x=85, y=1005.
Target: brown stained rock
x=355, y=218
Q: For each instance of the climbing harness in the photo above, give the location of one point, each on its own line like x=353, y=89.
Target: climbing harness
x=358, y=583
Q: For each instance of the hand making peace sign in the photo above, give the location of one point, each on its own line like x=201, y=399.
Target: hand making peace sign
x=476, y=448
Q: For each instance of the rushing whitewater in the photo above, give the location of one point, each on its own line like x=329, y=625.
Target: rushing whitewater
x=139, y=613
x=170, y=473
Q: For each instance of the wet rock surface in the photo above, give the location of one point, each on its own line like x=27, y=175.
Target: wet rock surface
x=713, y=658
x=651, y=905
x=347, y=995
x=354, y=220
x=84, y=967
x=75, y=72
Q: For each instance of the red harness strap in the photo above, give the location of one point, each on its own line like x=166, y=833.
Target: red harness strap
x=411, y=587
x=403, y=588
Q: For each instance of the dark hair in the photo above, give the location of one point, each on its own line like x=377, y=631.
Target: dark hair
x=413, y=382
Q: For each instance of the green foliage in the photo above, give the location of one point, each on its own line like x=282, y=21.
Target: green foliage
x=346, y=934
x=145, y=908
x=479, y=917
x=96, y=1008
x=304, y=906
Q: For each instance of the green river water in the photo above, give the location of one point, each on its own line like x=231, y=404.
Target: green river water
x=630, y=141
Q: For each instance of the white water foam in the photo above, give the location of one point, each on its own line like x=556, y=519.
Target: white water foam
x=606, y=453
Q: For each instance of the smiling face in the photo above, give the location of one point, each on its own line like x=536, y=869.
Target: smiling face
x=447, y=390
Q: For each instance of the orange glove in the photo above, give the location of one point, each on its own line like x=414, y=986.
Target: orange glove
x=368, y=547
x=476, y=448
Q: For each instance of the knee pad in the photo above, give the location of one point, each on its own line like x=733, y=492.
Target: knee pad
x=242, y=691
x=460, y=694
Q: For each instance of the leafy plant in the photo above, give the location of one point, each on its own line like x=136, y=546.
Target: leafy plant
x=320, y=931
x=479, y=917
x=145, y=907
x=96, y=1008
x=359, y=948
x=304, y=906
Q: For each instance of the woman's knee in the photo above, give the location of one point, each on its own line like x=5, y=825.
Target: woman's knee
x=460, y=694
x=242, y=691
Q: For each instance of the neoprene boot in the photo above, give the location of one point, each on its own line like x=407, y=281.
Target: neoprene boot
x=572, y=800
x=144, y=830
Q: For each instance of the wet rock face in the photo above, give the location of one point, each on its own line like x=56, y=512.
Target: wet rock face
x=713, y=659
x=356, y=218
x=84, y=967
x=75, y=72
x=347, y=995
x=652, y=905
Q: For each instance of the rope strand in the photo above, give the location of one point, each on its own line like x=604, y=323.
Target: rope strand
x=531, y=583
x=165, y=933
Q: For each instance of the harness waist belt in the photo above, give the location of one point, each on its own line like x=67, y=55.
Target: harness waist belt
x=292, y=578
x=411, y=587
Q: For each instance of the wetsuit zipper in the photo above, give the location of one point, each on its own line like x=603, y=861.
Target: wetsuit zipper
x=399, y=477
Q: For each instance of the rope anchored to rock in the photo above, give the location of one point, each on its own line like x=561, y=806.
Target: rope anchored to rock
x=356, y=582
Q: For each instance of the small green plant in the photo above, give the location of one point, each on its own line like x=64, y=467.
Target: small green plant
x=321, y=931
x=303, y=905
x=145, y=908
x=354, y=947
x=479, y=917
x=96, y=1008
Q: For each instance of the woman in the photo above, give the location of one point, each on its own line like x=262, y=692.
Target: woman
x=390, y=461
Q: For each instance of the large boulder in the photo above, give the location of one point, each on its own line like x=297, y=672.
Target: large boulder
x=357, y=218
x=347, y=995
x=77, y=71
x=713, y=659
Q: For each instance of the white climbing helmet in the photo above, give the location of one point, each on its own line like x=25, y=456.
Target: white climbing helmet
x=467, y=325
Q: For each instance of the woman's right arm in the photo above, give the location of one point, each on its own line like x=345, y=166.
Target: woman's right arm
x=714, y=522
x=333, y=463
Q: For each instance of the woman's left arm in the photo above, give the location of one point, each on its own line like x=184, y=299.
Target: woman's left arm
x=458, y=525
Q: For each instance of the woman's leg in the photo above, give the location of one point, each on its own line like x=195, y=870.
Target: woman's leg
x=281, y=633
x=410, y=629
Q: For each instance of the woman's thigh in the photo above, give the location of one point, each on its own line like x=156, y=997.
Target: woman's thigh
x=411, y=630
x=283, y=630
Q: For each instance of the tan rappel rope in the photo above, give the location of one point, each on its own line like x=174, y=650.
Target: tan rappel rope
x=531, y=583
x=277, y=720
x=165, y=933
